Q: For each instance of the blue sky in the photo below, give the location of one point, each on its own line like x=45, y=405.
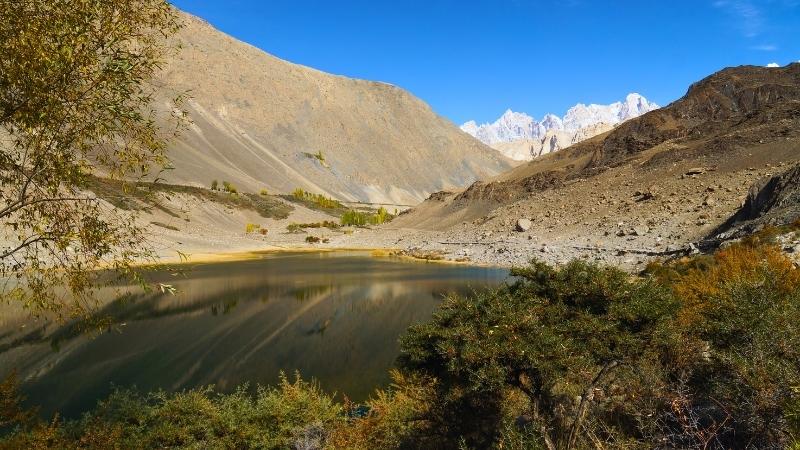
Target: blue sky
x=474, y=59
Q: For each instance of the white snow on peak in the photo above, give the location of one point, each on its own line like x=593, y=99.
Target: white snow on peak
x=509, y=127
x=513, y=126
x=552, y=122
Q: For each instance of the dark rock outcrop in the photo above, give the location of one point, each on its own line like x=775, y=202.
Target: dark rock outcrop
x=773, y=201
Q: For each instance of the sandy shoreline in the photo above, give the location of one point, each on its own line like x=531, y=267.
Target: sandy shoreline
x=256, y=253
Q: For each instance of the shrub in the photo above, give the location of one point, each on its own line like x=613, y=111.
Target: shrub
x=229, y=188
x=318, y=156
x=381, y=216
x=312, y=239
x=705, y=354
x=263, y=193
x=551, y=336
x=354, y=218
x=317, y=200
x=741, y=314
x=360, y=219
x=11, y=411
x=276, y=418
x=252, y=228
x=214, y=185
x=297, y=227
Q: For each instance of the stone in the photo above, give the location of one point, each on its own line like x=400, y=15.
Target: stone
x=696, y=171
x=524, y=225
x=640, y=230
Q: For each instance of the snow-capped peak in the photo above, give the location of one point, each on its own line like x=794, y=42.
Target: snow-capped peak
x=513, y=126
x=552, y=122
x=509, y=127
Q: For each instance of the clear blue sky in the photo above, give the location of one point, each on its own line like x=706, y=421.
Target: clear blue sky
x=474, y=59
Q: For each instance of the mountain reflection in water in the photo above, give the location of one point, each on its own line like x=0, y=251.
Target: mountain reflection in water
x=335, y=317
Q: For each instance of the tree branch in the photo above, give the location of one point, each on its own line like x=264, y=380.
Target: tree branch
x=588, y=396
x=26, y=243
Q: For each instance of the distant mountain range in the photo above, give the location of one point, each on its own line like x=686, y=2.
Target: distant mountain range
x=521, y=137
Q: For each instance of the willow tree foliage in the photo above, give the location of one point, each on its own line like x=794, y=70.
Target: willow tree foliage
x=77, y=99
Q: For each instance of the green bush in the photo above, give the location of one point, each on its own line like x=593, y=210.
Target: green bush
x=707, y=356
x=317, y=200
x=252, y=228
x=354, y=218
x=381, y=216
x=287, y=416
x=361, y=219
x=229, y=188
x=214, y=185
x=547, y=336
x=263, y=193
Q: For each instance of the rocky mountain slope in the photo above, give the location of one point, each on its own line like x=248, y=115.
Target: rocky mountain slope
x=773, y=201
x=261, y=122
x=520, y=137
x=650, y=187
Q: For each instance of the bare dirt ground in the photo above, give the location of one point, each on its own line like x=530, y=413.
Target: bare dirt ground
x=626, y=216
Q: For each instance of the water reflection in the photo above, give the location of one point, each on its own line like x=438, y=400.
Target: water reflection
x=332, y=316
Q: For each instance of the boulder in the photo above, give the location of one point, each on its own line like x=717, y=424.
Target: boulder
x=524, y=225
x=696, y=171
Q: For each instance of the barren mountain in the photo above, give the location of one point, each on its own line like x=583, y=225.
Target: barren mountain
x=261, y=122
x=649, y=187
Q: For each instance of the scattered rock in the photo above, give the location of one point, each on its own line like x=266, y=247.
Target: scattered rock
x=640, y=230
x=524, y=225
x=696, y=171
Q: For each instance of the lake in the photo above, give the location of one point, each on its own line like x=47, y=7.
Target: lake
x=335, y=317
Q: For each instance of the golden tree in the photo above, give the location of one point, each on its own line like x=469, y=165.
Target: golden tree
x=77, y=100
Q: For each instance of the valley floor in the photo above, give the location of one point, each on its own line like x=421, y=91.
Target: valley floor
x=655, y=205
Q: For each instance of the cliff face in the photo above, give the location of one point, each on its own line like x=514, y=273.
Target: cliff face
x=772, y=201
